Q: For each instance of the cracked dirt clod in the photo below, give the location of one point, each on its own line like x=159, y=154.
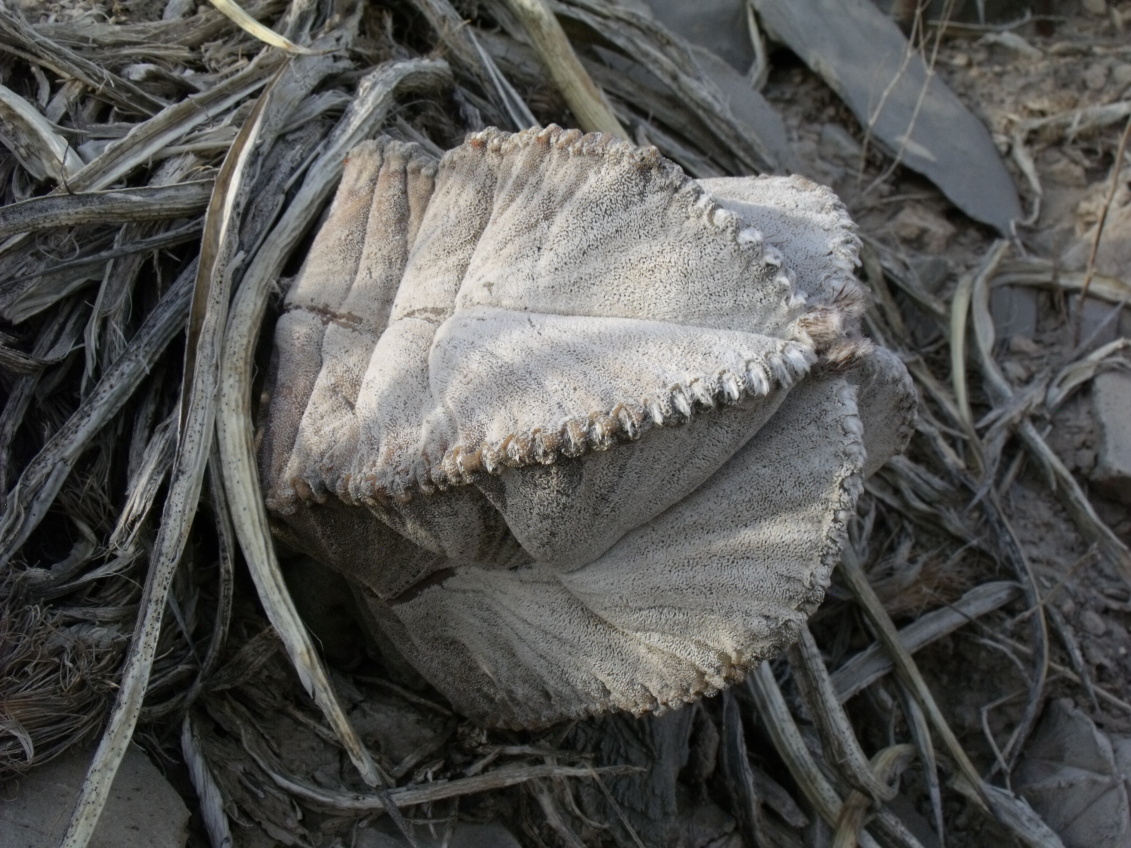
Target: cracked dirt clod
x=581, y=432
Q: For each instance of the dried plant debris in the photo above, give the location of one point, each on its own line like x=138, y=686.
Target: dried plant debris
x=496, y=371
x=157, y=156
x=899, y=101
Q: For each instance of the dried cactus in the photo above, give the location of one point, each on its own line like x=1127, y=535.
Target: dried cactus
x=581, y=432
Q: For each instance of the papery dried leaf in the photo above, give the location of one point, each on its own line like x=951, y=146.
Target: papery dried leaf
x=866, y=60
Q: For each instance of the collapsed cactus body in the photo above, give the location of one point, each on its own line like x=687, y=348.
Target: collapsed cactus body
x=581, y=432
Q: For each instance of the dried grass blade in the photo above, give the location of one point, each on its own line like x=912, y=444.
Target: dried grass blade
x=960, y=308
x=553, y=816
x=905, y=666
x=149, y=139
x=622, y=817
x=791, y=747
x=1015, y=554
x=142, y=491
x=1013, y=812
x=1075, y=655
x=451, y=27
x=207, y=315
x=151, y=203
x=1075, y=374
x=19, y=363
x=20, y=39
x=584, y=98
x=1023, y=159
x=921, y=735
x=59, y=280
x=983, y=323
x=888, y=266
x=207, y=790
x=1070, y=123
x=1080, y=120
x=735, y=761
x=938, y=392
x=872, y=663
x=669, y=57
x=56, y=338
x=226, y=536
x=169, y=39
x=820, y=696
x=1067, y=673
x=41, y=480
x=429, y=793
x=43, y=152
x=1075, y=501
x=254, y=28
x=464, y=48
x=1031, y=271
x=13, y=728
x=1090, y=269
x=520, y=114
x=885, y=766
x=1006, y=807
x=877, y=282
x=234, y=423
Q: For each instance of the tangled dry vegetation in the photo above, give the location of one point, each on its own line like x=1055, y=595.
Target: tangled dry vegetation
x=168, y=174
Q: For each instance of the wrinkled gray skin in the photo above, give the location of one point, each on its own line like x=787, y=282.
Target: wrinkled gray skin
x=582, y=433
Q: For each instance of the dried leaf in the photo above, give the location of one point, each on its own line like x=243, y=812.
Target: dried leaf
x=207, y=317
x=30, y=136
x=149, y=203
x=864, y=57
x=250, y=25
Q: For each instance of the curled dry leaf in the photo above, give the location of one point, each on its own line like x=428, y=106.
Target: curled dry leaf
x=581, y=432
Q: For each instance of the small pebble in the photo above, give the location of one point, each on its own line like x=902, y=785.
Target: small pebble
x=328, y=774
x=1016, y=372
x=1111, y=405
x=1121, y=76
x=1095, y=77
x=1014, y=42
x=836, y=141
x=1092, y=623
x=177, y=9
x=1085, y=460
x=917, y=223
x=1023, y=344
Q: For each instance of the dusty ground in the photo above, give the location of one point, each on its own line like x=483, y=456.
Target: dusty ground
x=1008, y=77
x=1005, y=79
